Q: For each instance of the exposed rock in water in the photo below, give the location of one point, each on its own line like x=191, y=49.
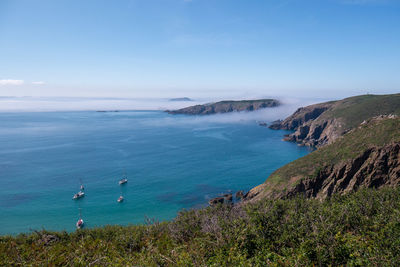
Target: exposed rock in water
x=226, y=106
x=216, y=200
x=239, y=194
x=228, y=198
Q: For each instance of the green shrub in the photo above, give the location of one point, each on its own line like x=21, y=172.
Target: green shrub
x=358, y=229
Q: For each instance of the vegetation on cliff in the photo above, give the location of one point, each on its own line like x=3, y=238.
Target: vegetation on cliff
x=367, y=156
x=300, y=218
x=226, y=106
x=358, y=229
x=321, y=124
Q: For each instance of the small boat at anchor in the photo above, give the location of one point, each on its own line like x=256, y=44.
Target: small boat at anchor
x=80, y=223
x=82, y=187
x=78, y=195
x=123, y=181
x=120, y=199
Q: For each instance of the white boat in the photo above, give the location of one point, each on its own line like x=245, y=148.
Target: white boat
x=120, y=199
x=123, y=181
x=78, y=195
x=80, y=223
x=82, y=187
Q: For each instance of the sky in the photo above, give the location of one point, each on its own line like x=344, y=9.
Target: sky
x=198, y=48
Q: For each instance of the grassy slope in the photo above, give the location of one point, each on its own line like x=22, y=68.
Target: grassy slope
x=376, y=133
x=359, y=229
x=236, y=105
x=354, y=110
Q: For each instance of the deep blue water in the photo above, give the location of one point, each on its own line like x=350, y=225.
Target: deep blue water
x=172, y=162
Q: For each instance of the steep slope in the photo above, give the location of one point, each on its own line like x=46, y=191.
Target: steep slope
x=321, y=124
x=226, y=106
x=367, y=156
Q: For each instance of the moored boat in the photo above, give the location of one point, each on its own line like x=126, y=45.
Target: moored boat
x=78, y=195
x=80, y=223
x=120, y=199
x=123, y=181
x=82, y=187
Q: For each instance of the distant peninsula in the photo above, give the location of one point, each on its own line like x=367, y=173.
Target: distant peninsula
x=181, y=99
x=226, y=106
x=321, y=124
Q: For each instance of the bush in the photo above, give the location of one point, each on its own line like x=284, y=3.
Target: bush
x=357, y=229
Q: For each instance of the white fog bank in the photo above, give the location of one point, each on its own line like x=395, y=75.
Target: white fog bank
x=47, y=104
x=43, y=104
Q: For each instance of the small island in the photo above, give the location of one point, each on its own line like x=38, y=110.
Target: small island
x=226, y=106
x=181, y=99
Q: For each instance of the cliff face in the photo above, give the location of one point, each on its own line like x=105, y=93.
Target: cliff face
x=308, y=129
x=321, y=124
x=301, y=116
x=375, y=167
x=367, y=156
x=226, y=106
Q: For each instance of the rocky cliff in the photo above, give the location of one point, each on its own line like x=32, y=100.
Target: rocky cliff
x=321, y=124
x=368, y=156
x=301, y=116
x=226, y=106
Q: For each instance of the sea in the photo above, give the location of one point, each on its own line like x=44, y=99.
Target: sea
x=172, y=162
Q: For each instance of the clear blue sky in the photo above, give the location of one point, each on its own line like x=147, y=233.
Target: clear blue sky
x=185, y=48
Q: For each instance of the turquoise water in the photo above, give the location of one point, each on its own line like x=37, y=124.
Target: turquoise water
x=172, y=162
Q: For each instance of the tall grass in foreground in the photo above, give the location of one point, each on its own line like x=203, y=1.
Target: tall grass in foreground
x=358, y=229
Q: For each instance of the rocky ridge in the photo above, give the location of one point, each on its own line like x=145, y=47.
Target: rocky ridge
x=226, y=106
x=376, y=167
x=368, y=156
x=321, y=124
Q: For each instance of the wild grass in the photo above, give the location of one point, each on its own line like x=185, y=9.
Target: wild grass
x=353, y=110
x=351, y=145
x=358, y=229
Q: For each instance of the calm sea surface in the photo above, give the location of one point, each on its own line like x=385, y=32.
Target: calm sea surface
x=172, y=162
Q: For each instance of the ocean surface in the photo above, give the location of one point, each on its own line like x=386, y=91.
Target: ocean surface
x=172, y=163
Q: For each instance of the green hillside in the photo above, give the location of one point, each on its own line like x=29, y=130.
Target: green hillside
x=354, y=110
x=375, y=133
x=321, y=124
x=227, y=106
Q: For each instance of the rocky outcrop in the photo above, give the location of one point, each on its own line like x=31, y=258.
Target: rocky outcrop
x=301, y=116
x=321, y=124
x=308, y=129
x=216, y=201
x=374, y=168
x=227, y=198
x=317, y=133
x=226, y=106
x=239, y=195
